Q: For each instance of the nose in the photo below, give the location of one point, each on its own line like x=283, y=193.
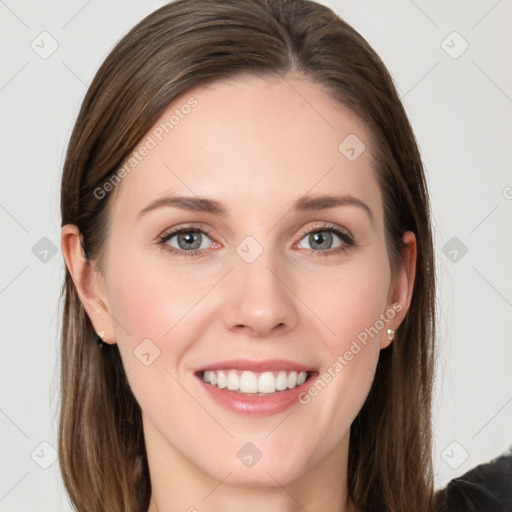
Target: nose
x=260, y=299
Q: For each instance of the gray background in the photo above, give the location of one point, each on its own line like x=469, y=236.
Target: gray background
x=460, y=106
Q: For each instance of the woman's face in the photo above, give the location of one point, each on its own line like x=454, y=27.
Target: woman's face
x=259, y=289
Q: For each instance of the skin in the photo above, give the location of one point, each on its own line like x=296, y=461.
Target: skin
x=256, y=145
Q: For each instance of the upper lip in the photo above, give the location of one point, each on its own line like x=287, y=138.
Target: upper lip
x=256, y=366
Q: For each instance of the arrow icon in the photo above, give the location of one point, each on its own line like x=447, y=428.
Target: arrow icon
x=44, y=250
x=454, y=455
x=249, y=253
x=44, y=45
x=44, y=455
x=454, y=249
x=351, y=147
x=147, y=352
x=249, y=455
x=454, y=45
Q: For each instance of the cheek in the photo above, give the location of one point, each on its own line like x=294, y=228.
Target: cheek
x=156, y=314
x=350, y=304
x=149, y=301
x=352, y=309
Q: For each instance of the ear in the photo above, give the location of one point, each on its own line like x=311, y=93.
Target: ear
x=401, y=290
x=88, y=281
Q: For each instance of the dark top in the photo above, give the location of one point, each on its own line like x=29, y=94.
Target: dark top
x=486, y=488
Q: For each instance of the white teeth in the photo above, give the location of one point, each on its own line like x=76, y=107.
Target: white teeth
x=266, y=383
x=251, y=382
x=248, y=382
x=281, y=381
x=222, y=382
x=233, y=381
x=292, y=380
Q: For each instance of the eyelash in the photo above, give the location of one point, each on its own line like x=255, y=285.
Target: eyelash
x=331, y=228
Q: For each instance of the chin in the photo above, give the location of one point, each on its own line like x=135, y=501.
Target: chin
x=261, y=475
x=270, y=469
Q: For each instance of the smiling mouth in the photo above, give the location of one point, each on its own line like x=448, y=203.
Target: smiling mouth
x=254, y=383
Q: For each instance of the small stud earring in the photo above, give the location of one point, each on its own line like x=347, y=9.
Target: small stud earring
x=391, y=334
x=99, y=338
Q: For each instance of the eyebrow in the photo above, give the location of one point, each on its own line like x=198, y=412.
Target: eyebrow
x=207, y=205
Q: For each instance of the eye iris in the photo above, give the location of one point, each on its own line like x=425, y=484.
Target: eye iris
x=324, y=238
x=189, y=236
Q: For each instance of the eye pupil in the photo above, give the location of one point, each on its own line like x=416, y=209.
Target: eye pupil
x=189, y=236
x=324, y=238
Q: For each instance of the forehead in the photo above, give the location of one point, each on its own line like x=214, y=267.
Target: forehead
x=251, y=142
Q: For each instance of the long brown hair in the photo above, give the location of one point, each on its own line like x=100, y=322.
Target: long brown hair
x=185, y=44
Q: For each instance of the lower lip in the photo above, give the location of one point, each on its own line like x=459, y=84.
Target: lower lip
x=254, y=405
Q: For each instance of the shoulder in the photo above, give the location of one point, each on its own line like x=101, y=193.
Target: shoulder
x=486, y=488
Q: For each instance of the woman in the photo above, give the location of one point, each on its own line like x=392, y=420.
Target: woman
x=246, y=231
